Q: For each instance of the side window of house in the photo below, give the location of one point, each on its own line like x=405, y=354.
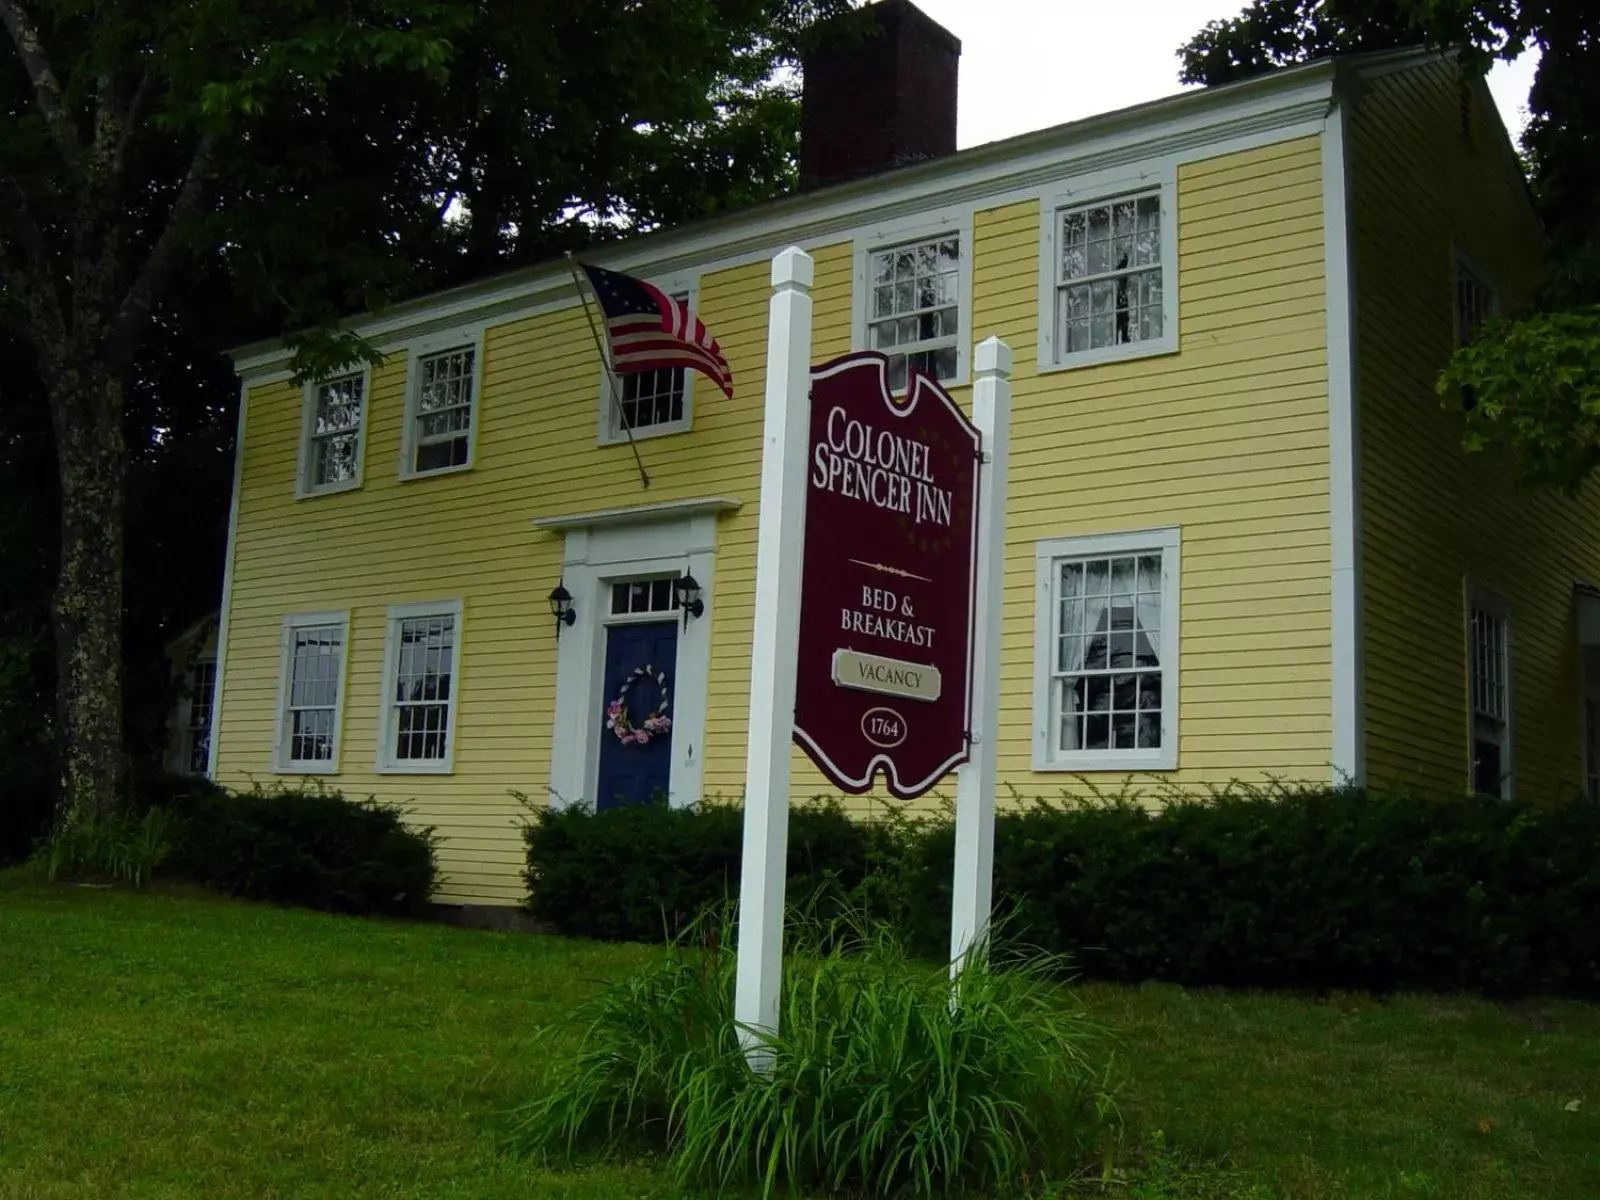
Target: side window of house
x=439, y=423
x=419, y=688
x=1489, y=665
x=311, y=692
x=1106, y=662
x=914, y=312
x=331, y=454
x=1110, y=277
x=201, y=687
x=655, y=401
x=1475, y=301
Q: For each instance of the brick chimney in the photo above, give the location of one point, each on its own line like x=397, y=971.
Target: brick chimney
x=885, y=101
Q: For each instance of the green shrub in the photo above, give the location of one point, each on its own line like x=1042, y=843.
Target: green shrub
x=1266, y=887
x=308, y=847
x=120, y=849
x=878, y=1084
x=646, y=872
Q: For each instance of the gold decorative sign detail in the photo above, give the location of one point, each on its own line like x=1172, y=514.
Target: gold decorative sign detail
x=886, y=676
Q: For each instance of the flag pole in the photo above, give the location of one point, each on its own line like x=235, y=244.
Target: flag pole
x=611, y=374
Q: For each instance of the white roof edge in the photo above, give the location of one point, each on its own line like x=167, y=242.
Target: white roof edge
x=1195, y=116
x=635, y=514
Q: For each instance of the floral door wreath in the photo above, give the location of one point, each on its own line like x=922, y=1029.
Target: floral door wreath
x=655, y=724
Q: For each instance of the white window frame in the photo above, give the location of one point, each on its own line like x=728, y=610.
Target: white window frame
x=442, y=343
x=308, y=416
x=1102, y=188
x=282, y=764
x=1048, y=552
x=1482, y=599
x=1461, y=264
x=609, y=431
x=955, y=223
x=387, y=764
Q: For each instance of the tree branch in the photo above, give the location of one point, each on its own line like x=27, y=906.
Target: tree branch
x=123, y=338
x=130, y=124
x=31, y=50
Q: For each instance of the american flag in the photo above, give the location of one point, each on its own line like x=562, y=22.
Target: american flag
x=647, y=329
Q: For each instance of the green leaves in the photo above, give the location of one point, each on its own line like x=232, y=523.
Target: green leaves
x=1534, y=386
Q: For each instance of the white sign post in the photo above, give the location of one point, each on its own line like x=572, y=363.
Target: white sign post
x=779, y=550
x=973, y=891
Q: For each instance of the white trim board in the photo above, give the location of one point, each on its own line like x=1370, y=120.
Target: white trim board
x=667, y=510
x=227, y=582
x=1347, y=749
x=596, y=555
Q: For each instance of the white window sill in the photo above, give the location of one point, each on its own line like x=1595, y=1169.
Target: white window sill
x=1122, y=762
x=1127, y=352
x=306, y=768
x=416, y=768
x=649, y=431
x=409, y=476
x=332, y=489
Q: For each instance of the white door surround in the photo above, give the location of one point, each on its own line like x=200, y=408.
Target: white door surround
x=612, y=545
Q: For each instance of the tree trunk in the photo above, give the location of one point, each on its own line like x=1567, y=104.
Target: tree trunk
x=86, y=405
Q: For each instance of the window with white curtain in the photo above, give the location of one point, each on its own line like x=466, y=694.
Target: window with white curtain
x=1106, y=652
x=335, y=420
x=1110, y=276
x=914, y=307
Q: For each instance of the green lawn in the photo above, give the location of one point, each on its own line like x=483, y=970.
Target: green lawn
x=177, y=1045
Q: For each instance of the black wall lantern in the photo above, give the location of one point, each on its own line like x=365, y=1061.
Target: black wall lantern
x=561, y=607
x=689, y=597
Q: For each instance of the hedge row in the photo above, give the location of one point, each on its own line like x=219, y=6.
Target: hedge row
x=1340, y=888
x=309, y=847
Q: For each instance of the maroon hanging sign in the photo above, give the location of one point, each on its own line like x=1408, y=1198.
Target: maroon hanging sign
x=886, y=593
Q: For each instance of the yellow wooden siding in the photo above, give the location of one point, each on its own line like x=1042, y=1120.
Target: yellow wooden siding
x=1432, y=515
x=1227, y=439
x=470, y=536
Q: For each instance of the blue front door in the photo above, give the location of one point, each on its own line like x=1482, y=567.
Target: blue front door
x=631, y=773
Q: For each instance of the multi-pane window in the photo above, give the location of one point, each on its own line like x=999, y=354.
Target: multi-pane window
x=655, y=399
x=202, y=688
x=641, y=597
x=1488, y=647
x=313, y=676
x=914, y=309
x=1475, y=302
x=1106, y=664
x=421, y=689
x=651, y=398
x=441, y=433
x=333, y=439
x=1110, y=285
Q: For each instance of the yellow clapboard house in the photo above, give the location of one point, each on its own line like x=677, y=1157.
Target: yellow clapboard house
x=1242, y=540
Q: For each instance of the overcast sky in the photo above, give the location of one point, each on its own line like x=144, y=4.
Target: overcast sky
x=1028, y=64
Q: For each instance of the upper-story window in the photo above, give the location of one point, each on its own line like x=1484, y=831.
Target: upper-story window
x=441, y=410
x=914, y=310
x=1109, y=286
x=1475, y=300
x=651, y=402
x=335, y=423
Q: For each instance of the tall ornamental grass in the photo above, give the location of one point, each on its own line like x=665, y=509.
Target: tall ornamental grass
x=880, y=1083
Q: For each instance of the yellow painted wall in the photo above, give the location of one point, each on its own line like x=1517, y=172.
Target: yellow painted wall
x=1227, y=438
x=1433, y=515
